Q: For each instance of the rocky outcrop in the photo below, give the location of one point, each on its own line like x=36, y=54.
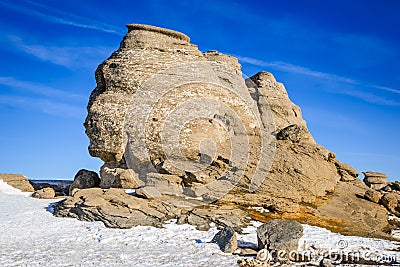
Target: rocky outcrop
x=44, y=193
x=117, y=209
x=18, y=181
x=84, y=179
x=185, y=129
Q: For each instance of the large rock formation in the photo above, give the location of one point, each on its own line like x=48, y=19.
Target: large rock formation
x=182, y=124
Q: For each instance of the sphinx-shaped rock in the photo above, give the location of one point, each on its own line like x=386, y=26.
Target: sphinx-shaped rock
x=185, y=125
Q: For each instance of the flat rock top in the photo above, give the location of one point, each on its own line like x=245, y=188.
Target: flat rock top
x=168, y=32
x=375, y=174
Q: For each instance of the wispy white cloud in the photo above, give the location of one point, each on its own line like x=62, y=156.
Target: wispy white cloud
x=290, y=68
x=67, y=56
x=371, y=98
x=287, y=67
x=44, y=105
x=53, y=15
x=37, y=88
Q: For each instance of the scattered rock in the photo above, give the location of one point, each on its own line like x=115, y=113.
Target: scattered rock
x=84, y=179
x=61, y=187
x=375, y=180
x=115, y=176
x=226, y=240
x=279, y=235
x=18, y=181
x=373, y=195
x=45, y=193
x=250, y=262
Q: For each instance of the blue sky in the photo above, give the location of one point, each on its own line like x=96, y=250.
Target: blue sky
x=339, y=60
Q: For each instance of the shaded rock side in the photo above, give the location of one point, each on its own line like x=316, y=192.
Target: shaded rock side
x=18, y=181
x=117, y=176
x=226, y=240
x=84, y=179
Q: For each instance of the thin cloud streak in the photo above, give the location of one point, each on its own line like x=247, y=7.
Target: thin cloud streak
x=57, y=17
x=43, y=105
x=287, y=67
x=66, y=56
x=37, y=88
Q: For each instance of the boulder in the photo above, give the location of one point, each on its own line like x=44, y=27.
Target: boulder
x=226, y=240
x=373, y=195
x=45, y=193
x=18, y=181
x=84, y=179
x=117, y=176
x=279, y=235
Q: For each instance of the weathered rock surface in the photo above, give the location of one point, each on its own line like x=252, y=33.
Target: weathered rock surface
x=117, y=209
x=116, y=176
x=279, y=235
x=114, y=208
x=347, y=173
x=373, y=195
x=309, y=174
x=84, y=179
x=392, y=202
x=226, y=240
x=18, y=181
x=45, y=193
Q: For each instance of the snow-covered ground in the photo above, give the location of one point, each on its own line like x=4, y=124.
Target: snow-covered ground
x=31, y=236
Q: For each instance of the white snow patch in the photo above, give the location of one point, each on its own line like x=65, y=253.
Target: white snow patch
x=32, y=236
x=9, y=190
x=260, y=209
